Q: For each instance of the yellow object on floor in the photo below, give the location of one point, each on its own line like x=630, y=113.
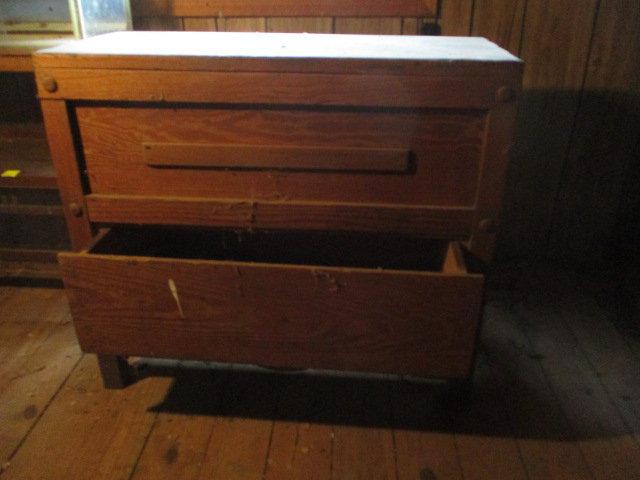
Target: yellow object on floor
x=10, y=173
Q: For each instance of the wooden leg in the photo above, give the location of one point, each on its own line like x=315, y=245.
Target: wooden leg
x=116, y=371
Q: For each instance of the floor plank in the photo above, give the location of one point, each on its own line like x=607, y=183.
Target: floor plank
x=29, y=305
x=545, y=439
x=608, y=445
x=241, y=437
x=302, y=441
x=555, y=398
x=424, y=434
x=38, y=350
x=486, y=442
x=363, y=447
x=177, y=444
x=606, y=351
x=88, y=432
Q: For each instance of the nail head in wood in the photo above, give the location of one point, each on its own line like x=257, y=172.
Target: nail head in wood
x=50, y=84
x=505, y=95
x=75, y=209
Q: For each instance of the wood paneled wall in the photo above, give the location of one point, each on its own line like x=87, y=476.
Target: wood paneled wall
x=569, y=195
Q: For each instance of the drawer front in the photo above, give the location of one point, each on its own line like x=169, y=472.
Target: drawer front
x=290, y=316
x=346, y=156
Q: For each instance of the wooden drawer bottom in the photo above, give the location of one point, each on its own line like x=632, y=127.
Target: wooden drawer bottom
x=338, y=301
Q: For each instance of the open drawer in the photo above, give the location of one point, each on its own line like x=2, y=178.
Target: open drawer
x=338, y=301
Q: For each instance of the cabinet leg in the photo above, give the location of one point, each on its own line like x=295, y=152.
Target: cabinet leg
x=116, y=371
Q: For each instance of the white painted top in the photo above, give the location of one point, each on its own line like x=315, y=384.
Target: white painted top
x=288, y=45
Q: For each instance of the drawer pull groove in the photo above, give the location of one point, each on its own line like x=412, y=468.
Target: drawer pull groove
x=266, y=157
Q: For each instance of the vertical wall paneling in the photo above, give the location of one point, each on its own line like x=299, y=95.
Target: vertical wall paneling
x=290, y=8
x=157, y=23
x=382, y=26
x=456, y=17
x=410, y=26
x=244, y=24
x=500, y=21
x=200, y=24
x=300, y=24
x=605, y=137
x=555, y=47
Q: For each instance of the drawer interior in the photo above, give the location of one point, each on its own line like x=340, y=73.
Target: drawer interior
x=327, y=249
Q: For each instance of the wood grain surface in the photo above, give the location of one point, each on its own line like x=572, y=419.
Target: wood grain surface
x=437, y=222
x=278, y=315
x=446, y=152
x=293, y=8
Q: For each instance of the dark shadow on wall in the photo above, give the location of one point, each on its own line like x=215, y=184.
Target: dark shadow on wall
x=568, y=187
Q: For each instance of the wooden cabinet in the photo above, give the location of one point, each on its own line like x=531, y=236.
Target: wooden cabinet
x=297, y=201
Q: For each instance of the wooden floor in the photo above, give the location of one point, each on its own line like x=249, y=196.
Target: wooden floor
x=557, y=397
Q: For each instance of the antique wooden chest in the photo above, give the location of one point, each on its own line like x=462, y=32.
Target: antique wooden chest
x=289, y=200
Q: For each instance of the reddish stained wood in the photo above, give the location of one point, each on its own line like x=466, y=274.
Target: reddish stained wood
x=500, y=132
x=200, y=24
x=38, y=350
x=438, y=222
x=224, y=311
x=118, y=163
x=375, y=83
x=292, y=8
x=500, y=21
x=370, y=26
x=246, y=24
x=263, y=157
x=16, y=63
x=63, y=155
x=301, y=89
x=300, y=24
x=456, y=17
x=89, y=432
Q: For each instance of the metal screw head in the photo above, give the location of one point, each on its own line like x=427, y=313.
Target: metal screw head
x=50, y=84
x=505, y=95
x=75, y=209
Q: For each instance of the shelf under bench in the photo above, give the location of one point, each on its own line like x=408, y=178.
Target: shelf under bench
x=24, y=147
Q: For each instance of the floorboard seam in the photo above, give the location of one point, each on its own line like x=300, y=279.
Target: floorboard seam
x=609, y=396
x=46, y=406
x=143, y=446
x=552, y=390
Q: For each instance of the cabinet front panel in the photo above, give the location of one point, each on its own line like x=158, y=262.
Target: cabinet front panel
x=350, y=156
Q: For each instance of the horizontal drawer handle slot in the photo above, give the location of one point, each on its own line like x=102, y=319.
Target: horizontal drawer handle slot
x=266, y=157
